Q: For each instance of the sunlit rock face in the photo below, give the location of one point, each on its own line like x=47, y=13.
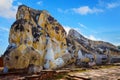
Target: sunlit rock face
x=35, y=38
x=86, y=50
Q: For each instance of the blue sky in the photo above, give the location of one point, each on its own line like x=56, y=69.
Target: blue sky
x=95, y=19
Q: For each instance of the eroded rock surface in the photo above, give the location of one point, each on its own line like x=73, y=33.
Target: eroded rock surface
x=35, y=38
x=85, y=50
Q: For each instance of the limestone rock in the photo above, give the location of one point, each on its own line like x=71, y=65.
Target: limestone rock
x=34, y=69
x=85, y=50
x=35, y=38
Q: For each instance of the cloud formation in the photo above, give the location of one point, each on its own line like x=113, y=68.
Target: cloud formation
x=92, y=37
x=113, y=5
x=84, y=10
x=19, y=3
x=7, y=9
x=108, y=5
x=4, y=29
x=67, y=28
x=39, y=2
x=82, y=25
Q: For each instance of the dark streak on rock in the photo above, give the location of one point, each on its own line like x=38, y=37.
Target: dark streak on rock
x=32, y=48
x=73, y=47
x=50, y=19
x=57, y=29
x=16, y=57
x=35, y=32
x=19, y=28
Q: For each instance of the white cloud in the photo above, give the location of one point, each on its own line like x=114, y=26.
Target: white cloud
x=4, y=29
x=92, y=37
x=82, y=25
x=39, y=2
x=84, y=10
x=67, y=28
x=7, y=9
x=19, y=3
x=108, y=5
x=113, y=5
x=115, y=43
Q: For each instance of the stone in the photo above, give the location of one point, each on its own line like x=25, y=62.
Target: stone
x=84, y=50
x=35, y=38
x=5, y=70
x=34, y=69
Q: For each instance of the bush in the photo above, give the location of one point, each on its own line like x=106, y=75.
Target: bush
x=118, y=47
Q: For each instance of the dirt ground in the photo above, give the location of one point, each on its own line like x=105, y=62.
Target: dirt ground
x=95, y=73
x=103, y=73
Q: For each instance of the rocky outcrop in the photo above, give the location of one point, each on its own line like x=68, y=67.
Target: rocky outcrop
x=35, y=38
x=89, y=46
x=88, y=50
x=38, y=41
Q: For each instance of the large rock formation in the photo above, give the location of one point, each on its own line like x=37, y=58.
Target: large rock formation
x=88, y=50
x=37, y=40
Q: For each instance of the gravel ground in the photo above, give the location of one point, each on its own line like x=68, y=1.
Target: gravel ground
x=99, y=73
x=112, y=73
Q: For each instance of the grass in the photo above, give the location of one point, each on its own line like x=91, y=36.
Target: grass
x=60, y=76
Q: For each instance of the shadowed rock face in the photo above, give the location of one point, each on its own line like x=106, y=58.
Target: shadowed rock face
x=37, y=39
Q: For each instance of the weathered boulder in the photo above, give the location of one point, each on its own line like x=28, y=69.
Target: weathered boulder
x=35, y=38
x=85, y=50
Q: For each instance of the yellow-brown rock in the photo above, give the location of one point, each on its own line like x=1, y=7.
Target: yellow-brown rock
x=35, y=38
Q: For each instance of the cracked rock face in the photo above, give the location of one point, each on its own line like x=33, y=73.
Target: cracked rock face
x=35, y=38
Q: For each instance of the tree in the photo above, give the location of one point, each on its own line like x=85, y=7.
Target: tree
x=119, y=47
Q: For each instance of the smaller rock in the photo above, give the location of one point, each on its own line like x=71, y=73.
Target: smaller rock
x=34, y=69
x=5, y=70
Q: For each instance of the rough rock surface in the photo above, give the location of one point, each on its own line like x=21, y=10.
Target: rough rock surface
x=35, y=38
x=85, y=50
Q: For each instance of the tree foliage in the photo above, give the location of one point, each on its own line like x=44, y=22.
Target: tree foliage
x=118, y=47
